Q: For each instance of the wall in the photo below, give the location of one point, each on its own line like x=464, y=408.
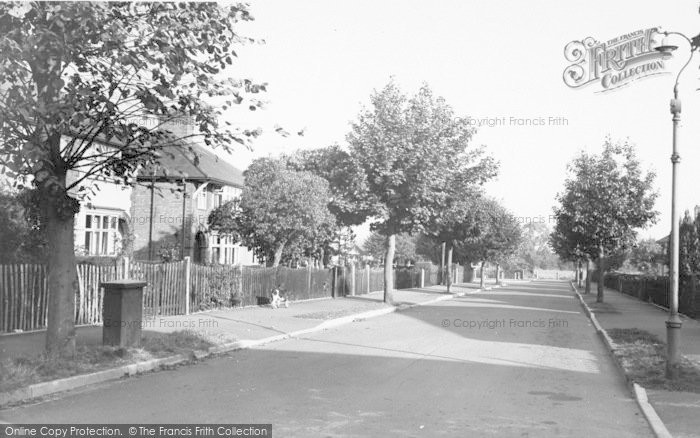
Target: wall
x=168, y=220
x=108, y=199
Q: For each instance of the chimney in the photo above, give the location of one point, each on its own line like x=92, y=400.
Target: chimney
x=180, y=126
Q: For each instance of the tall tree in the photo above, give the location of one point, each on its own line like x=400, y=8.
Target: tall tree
x=410, y=151
x=606, y=198
x=282, y=210
x=495, y=235
x=461, y=220
x=570, y=244
x=76, y=75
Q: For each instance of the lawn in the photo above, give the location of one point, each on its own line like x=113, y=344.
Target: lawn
x=17, y=372
x=643, y=357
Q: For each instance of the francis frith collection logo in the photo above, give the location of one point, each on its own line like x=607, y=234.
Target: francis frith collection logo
x=614, y=63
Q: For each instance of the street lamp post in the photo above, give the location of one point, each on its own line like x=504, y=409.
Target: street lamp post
x=674, y=323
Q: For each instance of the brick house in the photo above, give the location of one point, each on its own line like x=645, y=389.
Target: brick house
x=162, y=219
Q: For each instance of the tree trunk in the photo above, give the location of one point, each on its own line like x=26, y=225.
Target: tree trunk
x=579, y=273
x=449, y=268
x=481, y=285
x=62, y=275
x=390, y=248
x=601, y=274
x=278, y=254
x=498, y=273
x=588, y=275
x=442, y=264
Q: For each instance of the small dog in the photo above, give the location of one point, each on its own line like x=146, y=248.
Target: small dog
x=277, y=299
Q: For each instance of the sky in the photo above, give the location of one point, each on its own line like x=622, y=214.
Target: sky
x=496, y=60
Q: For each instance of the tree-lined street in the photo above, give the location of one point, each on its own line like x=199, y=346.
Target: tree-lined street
x=521, y=360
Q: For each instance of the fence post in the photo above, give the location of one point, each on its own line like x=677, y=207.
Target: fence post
x=422, y=278
x=127, y=265
x=308, y=279
x=353, y=284
x=335, y=281
x=188, y=266
x=368, y=269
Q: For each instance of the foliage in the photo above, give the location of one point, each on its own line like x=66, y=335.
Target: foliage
x=22, y=235
x=428, y=248
x=284, y=210
x=169, y=252
x=79, y=79
x=223, y=289
x=93, y=71
x=688, y=245
x=605, y=199
x=414, y=154
x=646, y=257
x=405, y=247
x=346, y=181
x=535, y=251
x=495, y=234
x=342, y=244
x=226, y=219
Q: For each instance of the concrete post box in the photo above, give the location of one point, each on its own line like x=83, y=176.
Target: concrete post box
x=122, y=313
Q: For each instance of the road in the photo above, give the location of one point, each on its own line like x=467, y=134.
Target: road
x=520, y=361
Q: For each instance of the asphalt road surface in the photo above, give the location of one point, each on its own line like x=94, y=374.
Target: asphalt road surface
x=521, y=361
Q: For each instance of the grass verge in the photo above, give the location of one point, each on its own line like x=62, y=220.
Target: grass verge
x=17, y=372
x=643, y=357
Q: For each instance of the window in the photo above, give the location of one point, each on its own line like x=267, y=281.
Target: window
x=202, y=199
x=101, y=234
x=223, y=250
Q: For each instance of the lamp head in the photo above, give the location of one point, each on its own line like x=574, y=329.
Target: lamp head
x=666, y=48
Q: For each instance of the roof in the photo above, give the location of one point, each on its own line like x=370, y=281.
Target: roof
x=177, y=163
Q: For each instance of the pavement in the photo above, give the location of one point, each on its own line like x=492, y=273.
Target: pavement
x=226, y=330
x=680, y=411
x=521, y=360
x=241, y=324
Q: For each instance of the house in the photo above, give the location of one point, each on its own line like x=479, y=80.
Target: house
x=104, y=216
x=166, y=210
x=170, y=206
x=664, y=241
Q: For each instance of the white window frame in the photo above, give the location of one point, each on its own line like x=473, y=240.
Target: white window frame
x=100, y=232
x=226, y=248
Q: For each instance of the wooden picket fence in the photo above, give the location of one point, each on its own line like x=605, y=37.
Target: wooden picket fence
x=24, y=288
x=24, y=292
x=23, y=297
x=165, y=290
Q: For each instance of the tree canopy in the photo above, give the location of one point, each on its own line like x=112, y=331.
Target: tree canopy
x=606, y=198
x=495, y=235
x=280, y=210
x=414, y=153
x=79, y=79
x=349, y=202
x=405, y=247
